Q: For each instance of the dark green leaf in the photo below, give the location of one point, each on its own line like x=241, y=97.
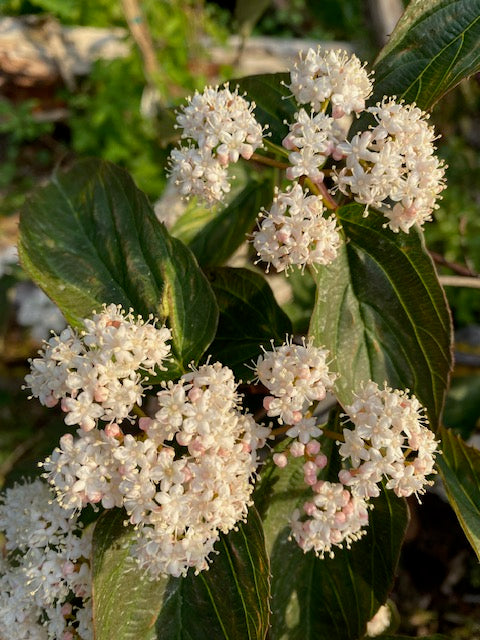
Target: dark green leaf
x=435, y=44
x=91, y=237
x=218, y=239
x=249, y=317
x=382, y=313
x=274, y=102
x=459, y=466
x=191, y=221
x=332, y=598
x=125, y=602
x=229, y=601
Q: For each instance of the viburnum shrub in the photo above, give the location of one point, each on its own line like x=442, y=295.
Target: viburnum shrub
x=223, y=475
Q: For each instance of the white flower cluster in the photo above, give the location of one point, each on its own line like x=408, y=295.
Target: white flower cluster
x=45, y=568
x=185, y=480
x=95, y=374
x=294, y=231
x=312, y=139
x=390, y=166
x=334, y=517
x=334, y=75
x=221, y=124
x=389, y=440
x=394, y=162
x=296, y=376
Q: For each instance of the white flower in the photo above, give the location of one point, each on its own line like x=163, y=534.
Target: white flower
x=393, y=165
x=333, y=75
x=311, y=140
x=29, y=517
x=294, y=231
x=389, y=440
x=296, y=376
x=83, y=470
x=223, y=127
x=333, y=517
x=196, y=172
x=98, y=374
x=37, y=584
x=181, y=501
x=221, y=121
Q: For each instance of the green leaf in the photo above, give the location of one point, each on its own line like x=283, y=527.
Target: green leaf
x=218, y=239
x=91, y=237
x=126, y=602
x=249, y=317
x=382, y=313
x=229, y=601
x=459, y=466
x=192, y=220
x=434, y=45
x=332, y=598
x=274, y=101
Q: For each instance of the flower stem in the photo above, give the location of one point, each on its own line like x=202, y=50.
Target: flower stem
x=279, y=431
x=271, y=162
x=333, y=435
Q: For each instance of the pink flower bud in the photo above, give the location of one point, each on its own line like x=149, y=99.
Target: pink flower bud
x=309, y=468
x=296, y=416
x=317, y=487
x=246, y=151
x=310, y=479
x=280, y=459
x=101, y=394
x=321, y=461
x=194, y=394
x=313, y=447
x=183, y=439
x=267, y=401
x=297, y=449
x=337, y=112
x=288, y=143
x=335, y=536
x=309, y=508
x=113, y=430
x=144, y=423
x=66, y=609
x=68, y=568
x=51, y=401
x=344, y=476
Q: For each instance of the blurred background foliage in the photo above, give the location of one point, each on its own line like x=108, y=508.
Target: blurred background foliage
x=116, y=111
